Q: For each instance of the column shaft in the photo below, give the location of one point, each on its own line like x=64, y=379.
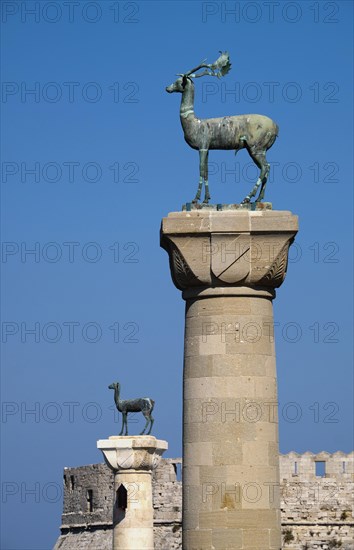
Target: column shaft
x=231, y=464
x=133, y=527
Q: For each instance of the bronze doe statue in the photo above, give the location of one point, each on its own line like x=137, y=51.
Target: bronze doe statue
x=256, y=133
x=141, y=404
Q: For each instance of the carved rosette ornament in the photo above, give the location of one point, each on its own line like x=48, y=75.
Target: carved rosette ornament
x=222, y=249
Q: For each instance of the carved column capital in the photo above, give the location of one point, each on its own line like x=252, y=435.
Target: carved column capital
x=123, y=453
x=228, y=248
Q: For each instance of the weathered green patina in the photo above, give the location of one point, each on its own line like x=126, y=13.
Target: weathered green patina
x=256, y=133
x=141, y=404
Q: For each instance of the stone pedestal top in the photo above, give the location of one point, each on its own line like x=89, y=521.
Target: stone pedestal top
x=139, y=452
x=132, y=441
x=244, y=221
x=208, y=248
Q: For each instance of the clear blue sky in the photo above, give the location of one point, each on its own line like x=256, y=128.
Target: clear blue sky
x=109, y=160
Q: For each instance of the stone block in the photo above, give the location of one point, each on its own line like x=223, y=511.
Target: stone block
x=227, y=538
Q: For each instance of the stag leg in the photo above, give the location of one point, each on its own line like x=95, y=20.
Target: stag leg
x=259, y=159
x=203, y=170
x=202, y=153
x=203, y=176
x=207, y=194
x=252, y=193
x=199, y=191
x=264, y=178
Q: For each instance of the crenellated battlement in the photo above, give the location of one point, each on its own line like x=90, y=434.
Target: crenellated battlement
x=310, y=465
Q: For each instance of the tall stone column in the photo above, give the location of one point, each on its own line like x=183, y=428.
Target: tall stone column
x=228, y=265
x=132, y=460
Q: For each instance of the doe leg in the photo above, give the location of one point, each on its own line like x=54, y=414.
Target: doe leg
x=121, y=432
x=151, y=423
x=146, y=424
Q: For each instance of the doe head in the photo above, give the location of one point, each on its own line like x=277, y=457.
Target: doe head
x=113, y=386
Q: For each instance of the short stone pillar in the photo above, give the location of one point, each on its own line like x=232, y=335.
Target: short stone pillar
x=132, y=459
x=228, y=265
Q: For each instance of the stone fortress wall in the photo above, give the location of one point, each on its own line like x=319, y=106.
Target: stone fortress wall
x=316, y=503
x=317, y=510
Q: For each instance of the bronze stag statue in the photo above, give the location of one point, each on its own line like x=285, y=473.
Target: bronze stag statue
x=256, y=133
x=141, y=404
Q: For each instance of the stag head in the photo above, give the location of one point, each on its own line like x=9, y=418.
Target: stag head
x=219, y=68
x=177, y=86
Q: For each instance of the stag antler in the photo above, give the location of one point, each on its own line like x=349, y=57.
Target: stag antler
x=222, y=63
x=189, y=73
x=219, y=68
